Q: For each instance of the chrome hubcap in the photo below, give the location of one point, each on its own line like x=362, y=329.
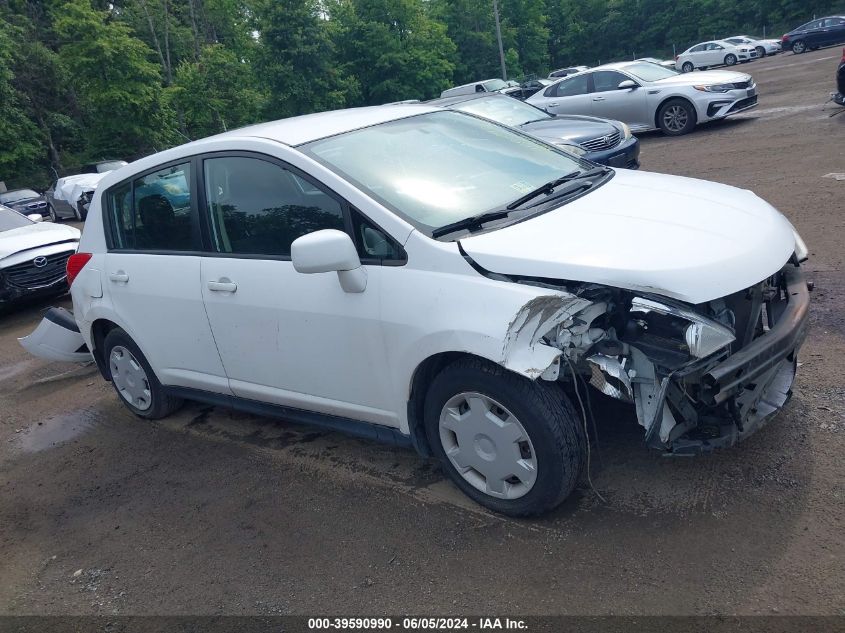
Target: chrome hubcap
x=730, y=60
x=799, y=47
x=129, y=378
x=675, y=118
x=488, y=446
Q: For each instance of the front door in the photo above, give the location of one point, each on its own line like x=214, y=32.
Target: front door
x=285, y=337
x=569, y=96
x=609, y=102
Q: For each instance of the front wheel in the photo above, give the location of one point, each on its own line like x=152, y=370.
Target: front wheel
x=687, y=67
x=730, y=59
x=761, y=52
x=799, y=47
x=53, y=216
x=676, y=117
x=513, y=445
x=133, y=378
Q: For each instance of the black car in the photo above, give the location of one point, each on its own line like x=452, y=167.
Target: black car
x=606, y=142
x=815, y=34
x=839, y=97
x=527, y=88
x=25, y=201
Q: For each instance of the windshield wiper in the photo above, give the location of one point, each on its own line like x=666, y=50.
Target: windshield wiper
x=472, y=222
x=550, y=186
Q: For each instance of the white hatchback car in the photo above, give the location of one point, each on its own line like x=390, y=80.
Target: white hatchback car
x=433, y=279
x=715, y=53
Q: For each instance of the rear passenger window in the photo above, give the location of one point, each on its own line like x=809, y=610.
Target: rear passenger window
x=259, y=208
x=154, y=212
x=578, y=85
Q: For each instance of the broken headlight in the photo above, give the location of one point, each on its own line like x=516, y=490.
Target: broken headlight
x=695, y=334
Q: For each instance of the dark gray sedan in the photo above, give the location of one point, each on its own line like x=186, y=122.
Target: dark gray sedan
x=25, y=201
x=601, y=140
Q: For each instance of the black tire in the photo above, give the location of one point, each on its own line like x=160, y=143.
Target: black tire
x=687, y=67
x=799, y=47
x=730, y=59
x=81, y=212
x=161, y=404
x=54, y=217
x=691, y=118
x=761, y=52
x=555, y=431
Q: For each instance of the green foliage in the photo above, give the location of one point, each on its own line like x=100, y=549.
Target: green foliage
x=89, y=79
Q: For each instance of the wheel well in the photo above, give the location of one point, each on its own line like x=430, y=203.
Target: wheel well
x=667, y=100
x=99, y=330
x=423, y=375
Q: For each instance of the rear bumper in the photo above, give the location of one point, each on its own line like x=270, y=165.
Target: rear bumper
x=626, y=155
x=57, y=337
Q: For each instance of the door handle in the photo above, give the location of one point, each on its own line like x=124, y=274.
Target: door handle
x=598, y=98
x=119, y=277
x=224, y=284
x=552, y=105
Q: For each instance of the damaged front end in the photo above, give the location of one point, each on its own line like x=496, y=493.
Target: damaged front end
x=700, y=377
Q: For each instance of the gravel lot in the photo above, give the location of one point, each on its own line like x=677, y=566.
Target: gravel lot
x=217, y=512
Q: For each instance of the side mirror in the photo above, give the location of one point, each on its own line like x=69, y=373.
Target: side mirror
x=628, y=84
x=35, y=217
x=326, y=251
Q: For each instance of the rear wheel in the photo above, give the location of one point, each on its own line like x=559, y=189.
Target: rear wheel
x=687, y=67
x=511, y=444
x=134, y=380
x=53, y=216
x=676, y=117
x=799, y=47
x=730, y=59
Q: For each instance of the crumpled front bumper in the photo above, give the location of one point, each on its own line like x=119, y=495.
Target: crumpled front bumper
x=739, y=394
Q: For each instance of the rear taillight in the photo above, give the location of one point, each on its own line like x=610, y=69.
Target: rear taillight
x=784, y=39
x=75, y=264
x=676, y=57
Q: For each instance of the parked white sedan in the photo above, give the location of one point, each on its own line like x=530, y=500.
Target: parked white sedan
x=437, y=280
x=647, y=96
x=715, y=53
x=763, y=47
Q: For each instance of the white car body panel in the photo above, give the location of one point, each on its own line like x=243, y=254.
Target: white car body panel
x=13, y=242
x=70, y=188
x=713, y=239
x=708, y=58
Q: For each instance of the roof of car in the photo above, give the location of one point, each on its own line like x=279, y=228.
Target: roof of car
x=310, y=127
x=445, y=102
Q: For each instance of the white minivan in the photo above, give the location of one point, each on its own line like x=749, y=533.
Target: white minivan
x=433, y=279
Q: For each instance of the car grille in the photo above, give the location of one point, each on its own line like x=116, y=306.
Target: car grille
x=29, y=276
x=601, y=143
x=36, y=205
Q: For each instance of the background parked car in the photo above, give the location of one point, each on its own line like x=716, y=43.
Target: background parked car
x=666, y=63
x=715, y=53
x=815, y=34
x=647, y=96
x=26, y=201
x=488, y=85
x=602, y=141
x=62, y=206
x=839, y=97
x=33, y=256
x=763, y=47
x=527, y=88
x=565, y=72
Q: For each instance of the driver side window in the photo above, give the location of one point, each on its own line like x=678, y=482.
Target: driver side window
x=606, y=80
x=577, y=85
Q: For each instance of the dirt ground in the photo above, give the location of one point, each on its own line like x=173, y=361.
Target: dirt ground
x=217, y=512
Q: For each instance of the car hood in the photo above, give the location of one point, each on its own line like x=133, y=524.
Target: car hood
x=33, y=236
x=23, y=202
x=683, y=238
x=703, y=77
x=570, y=127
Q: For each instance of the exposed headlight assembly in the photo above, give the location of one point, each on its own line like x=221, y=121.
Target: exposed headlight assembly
x=702, y=336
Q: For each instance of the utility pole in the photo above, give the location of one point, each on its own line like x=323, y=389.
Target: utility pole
x=499, y=39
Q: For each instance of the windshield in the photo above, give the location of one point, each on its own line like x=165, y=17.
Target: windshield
x=504, y=110
x=649, y=72
x=437, y=168
x=15, y=196
x=494, y=84
x=12, y=219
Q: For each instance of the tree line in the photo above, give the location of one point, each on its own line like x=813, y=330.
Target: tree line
x=84, y=80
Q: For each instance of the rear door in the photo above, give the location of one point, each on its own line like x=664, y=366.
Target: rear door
x=569, y=96
x=609, y=102
x=152, y=275
x=834, y=31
